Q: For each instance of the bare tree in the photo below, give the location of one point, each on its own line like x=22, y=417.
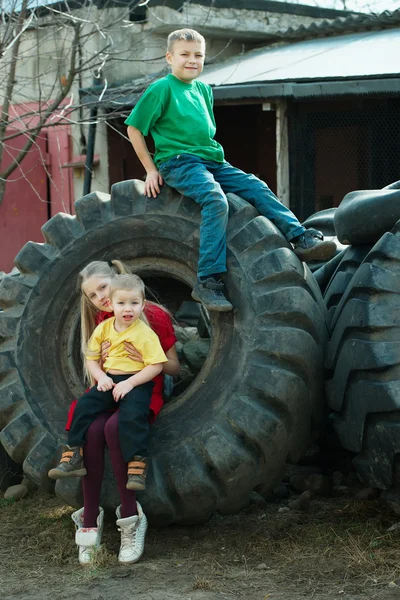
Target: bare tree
x=47, y=54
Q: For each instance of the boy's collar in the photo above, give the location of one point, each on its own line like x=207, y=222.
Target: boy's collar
x=185, y=83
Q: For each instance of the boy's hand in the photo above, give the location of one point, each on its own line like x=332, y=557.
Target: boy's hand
x=105, y=383
x=133, y=354
x=121, y=389
x=153, y=183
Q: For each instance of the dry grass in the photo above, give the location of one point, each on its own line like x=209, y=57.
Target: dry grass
x=200, y=583
x=338, y=542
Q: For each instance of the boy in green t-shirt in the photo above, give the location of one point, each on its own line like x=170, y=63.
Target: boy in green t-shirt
x=178, y=112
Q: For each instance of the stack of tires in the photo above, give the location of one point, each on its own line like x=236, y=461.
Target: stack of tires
x=362, y=295
x=255, y=404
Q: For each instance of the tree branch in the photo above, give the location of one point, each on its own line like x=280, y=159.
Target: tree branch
x=50, y=109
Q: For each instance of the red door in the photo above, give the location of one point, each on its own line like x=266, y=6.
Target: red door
x=25, y=206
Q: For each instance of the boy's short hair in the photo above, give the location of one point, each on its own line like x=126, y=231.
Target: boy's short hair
x=189, y=35
x=127, y=282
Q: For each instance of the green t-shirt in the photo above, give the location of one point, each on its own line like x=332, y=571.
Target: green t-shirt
x=179, y=117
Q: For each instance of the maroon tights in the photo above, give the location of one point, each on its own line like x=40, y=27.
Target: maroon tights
x=104, y=430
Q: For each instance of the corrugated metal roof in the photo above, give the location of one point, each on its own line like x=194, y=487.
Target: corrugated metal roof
x=342, y=24
x=357, y=55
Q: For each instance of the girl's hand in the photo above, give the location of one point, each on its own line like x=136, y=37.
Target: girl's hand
x=105, y=383
x=132, y=352
x=121, y=389
x=153, y=184
x=105, y=346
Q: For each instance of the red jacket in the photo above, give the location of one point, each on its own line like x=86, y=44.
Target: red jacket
x=161, y=324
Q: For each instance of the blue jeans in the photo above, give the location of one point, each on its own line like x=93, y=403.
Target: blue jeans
x=206, y=182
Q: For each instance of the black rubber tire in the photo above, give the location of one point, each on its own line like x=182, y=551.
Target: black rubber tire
x=323, y=220
x=393, y=186
x=363, y=357
x=258, y=396
x=342, y=276
x=323, y=274
x=364, y=216
x=10, y=472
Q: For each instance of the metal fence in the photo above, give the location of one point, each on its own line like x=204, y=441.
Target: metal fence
x=340, y=146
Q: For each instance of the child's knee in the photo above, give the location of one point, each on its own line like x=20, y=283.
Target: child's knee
x=111, y=429
x=218, y=204
x=96, y=429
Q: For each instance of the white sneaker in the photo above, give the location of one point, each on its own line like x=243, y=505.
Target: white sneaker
x=87, y=538
x=133, y=531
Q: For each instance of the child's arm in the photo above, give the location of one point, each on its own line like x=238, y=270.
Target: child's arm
x=153, y=179
x=104, y=382
x=145, y=375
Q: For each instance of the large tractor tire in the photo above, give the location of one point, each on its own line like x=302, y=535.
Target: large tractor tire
x=323, y=220
x=363, y=357
x=324, y=274
x=345, y=270
x=255, y=402
x=365, y=215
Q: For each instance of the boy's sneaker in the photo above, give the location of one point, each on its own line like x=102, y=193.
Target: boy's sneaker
x=137, y=472
x=210, y=292
x=311, y=245
x=70, y=465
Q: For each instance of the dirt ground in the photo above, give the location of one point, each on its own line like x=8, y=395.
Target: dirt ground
x=338, y=548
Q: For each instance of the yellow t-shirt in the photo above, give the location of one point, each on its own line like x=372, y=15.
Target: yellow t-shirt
x=139, y=334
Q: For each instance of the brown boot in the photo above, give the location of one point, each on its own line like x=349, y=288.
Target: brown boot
x=70, y=465
x=137, y=471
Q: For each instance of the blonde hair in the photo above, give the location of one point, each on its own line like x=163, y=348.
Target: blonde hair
x=189, y=35
x=127, y=282
x=97, y=268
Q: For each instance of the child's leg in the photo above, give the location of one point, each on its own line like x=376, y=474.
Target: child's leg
x=309, y=245
x=89, y=406
x=257, y=193
x=128, y=497
x=93, y=456
x=190, y=177
x=133, y=421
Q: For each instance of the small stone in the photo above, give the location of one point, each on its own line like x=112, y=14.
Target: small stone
x=16, y=492
x=337, y=478
x=352, y=479
x=195, y=353
x=392, y=584
x=186, y=538
x=394, y=527
x=341, y=489
x=367, y=494
x=283, y=509
x=262, y=566
x=298, y=483
x=122, y=573
x=320, y=485
x=303, y=470
x=302, y=502
x=281, y=491
x=185, y=334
